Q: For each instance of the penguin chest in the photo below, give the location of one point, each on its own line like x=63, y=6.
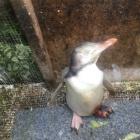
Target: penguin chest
x=85, y=91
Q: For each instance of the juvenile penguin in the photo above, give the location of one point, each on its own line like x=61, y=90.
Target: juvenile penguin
x=84, y=81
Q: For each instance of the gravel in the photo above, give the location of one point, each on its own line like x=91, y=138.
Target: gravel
x=53, y=123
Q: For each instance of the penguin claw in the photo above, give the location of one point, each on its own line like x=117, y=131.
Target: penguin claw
x=104, y=112
x=75, y=130
x=107, y=109
x=110, y=111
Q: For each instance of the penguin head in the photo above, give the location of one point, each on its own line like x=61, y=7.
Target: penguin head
x=89, y=52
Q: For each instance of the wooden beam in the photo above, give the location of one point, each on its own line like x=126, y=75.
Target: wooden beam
x=25, y=13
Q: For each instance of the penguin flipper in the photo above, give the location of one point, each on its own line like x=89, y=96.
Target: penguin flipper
x=107, y=84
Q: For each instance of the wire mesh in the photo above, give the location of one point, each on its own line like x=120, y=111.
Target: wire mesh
x=18, y=71
x=16, y=61
x=17, y=66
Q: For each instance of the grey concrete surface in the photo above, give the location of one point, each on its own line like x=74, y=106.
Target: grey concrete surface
x=53, y=123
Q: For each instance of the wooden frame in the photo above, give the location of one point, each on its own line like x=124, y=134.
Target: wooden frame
x=25, y=13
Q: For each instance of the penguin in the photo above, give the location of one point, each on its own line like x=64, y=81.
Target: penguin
x=85, y=82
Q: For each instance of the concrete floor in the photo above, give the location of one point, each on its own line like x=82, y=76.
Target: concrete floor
x=53, y=123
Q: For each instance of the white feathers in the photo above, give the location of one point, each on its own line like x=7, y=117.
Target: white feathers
x=85, y=90
x=91, y=74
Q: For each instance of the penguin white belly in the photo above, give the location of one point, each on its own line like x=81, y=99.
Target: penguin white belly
x=85, y=90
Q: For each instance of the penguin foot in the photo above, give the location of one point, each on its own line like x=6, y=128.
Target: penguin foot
x=103, y=111
x=76, y=122
x=107, y=109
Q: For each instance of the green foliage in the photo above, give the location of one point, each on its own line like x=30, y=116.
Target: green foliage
x=97, y=124
x=131, y=136
x=7, y=29
x=8, y=24
x=17, y=61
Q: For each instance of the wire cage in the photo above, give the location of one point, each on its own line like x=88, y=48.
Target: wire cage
x=64, y=24
x=17, y=66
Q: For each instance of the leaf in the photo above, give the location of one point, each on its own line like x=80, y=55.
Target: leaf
x=21, y=57
x=14, y=59
x=7, y=49
x=3, y=102
x=9, y=54
x=9, y=67
x=97, y=124
x=15, y=68
x=26, y=66
x=131, y=136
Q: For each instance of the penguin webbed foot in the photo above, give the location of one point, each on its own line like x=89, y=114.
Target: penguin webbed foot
x=76, y=123
x=103, y=111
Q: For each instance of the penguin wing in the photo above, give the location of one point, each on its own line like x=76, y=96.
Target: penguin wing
x=107, y=84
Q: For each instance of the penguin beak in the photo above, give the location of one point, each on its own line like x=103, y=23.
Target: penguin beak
x=106, y=44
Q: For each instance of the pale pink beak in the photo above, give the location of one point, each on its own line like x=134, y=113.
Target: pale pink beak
x=106, y=44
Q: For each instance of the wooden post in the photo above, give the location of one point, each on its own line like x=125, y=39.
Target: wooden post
x=25, y=13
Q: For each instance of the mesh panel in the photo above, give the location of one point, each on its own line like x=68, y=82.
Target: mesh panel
x=18, y=69
x=17, y=66
x=16, y=62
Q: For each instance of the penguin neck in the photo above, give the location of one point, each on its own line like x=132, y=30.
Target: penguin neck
x=73, y=70
x=79, y=68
